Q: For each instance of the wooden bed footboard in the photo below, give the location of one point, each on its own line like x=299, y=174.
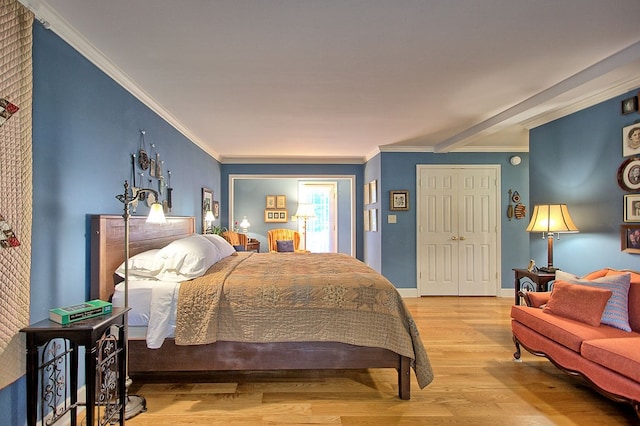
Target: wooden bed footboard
x=235, y=356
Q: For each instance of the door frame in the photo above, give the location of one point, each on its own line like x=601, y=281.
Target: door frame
x=498, y=191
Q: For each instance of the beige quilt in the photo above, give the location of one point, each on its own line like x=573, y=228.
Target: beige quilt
x=326, y=297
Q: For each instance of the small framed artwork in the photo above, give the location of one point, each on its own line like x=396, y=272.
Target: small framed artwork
x=281, y=201
x=373, y=191
x=207, y=204
x=398, y=200
x=367, y=199
x=366, y=220
x=630, y=238
x=629, y=174
x=216, y=209
x=629, y=105
x=631, y=140
x=275, y=215
x=271, y=202
x=632, y=208
x=373, y=220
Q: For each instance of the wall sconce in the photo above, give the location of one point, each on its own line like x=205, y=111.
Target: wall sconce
x=208, y=218
x=551, y=219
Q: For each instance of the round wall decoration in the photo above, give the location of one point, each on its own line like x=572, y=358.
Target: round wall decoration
x=629, y=174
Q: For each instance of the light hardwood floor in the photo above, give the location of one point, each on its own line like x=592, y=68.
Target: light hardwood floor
x=476, y=383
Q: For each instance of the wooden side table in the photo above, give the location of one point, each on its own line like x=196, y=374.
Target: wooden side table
x=253, y=245
x=539, y=279
x=52, y=357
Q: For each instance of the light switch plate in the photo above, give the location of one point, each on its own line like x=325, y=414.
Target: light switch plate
x=391, y=218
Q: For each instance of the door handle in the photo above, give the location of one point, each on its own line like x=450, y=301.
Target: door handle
x=463, y=238
x=454, y=238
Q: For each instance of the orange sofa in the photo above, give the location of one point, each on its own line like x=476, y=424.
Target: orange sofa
x=560, y=328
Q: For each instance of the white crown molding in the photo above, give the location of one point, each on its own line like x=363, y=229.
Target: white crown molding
x=292, y=160
x=51, y=20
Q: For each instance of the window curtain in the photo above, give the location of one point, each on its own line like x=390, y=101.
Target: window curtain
x=16, y=23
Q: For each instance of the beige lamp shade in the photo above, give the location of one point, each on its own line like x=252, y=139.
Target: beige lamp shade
x=156, y=214
x=305, y=211
x=551, y=218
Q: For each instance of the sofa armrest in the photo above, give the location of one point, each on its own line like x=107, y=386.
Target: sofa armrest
x=535, y=299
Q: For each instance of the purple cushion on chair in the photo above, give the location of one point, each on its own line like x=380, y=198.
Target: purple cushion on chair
x=284, y=246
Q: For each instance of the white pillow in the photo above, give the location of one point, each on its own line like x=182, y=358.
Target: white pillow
x=186, y=258
x=142, y=265
x=223, y=245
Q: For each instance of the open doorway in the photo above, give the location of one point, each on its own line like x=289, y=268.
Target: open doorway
x=320, y=233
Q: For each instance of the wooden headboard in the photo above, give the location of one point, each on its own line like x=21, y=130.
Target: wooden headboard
x=107, y=244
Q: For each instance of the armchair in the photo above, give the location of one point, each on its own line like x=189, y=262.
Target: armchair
x=237, y=240
x=274, y=235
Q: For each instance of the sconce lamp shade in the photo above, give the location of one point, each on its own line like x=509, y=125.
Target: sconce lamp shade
x=551, y=218
x=156, y=214
x=305, y=211
x=208, y=217
x=244, y=224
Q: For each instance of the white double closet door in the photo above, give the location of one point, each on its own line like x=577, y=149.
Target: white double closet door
x=458, y=230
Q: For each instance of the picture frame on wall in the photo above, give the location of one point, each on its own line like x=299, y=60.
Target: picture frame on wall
x=216, y=209
x=276, y=215
x=630, y=238
x=632, y=208
x=373, y=191
x=373, y=220
x=631, y=140
x=367, y=200
x=271, y=202
x=629, y=174
x=366, y=220
x=281, y=201
x=399, y=200
x=207, y=204
x=629, y=105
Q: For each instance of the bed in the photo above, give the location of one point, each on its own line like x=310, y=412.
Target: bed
x=215, y=345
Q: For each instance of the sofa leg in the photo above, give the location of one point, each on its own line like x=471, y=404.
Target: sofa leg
x=517, y=353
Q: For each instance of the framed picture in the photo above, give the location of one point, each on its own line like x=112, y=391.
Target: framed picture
x=630, y=238
x=631, y=140
x=632, y=208
x=373, y=220
x=398, y=200
x=629, y=174
x=281, y=201
x=366, y=220
x=275, y=215
x=207, y=204
x=367, y=199
x=216, y=209
x=271, y=202
x=373, y=191
x=629, y=105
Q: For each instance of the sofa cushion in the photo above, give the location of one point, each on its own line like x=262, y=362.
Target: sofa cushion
x=621, y=355
x=616, y=312
x=579, y=302
x=567, y=332
x=634, y=297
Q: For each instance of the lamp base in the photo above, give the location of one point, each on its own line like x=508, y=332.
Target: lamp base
x=135, y=405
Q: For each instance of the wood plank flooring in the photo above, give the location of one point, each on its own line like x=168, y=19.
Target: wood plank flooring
x=477, y=383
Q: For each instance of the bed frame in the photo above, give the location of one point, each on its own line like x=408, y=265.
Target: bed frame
x=107, y=253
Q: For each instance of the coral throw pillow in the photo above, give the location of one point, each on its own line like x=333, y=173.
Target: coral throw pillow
x=616, y=312
x=578, y=302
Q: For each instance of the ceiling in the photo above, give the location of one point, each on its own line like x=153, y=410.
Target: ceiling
x=341, y=80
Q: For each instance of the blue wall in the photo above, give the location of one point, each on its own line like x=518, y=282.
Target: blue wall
x=373, y=239
x=574, y=160
x=85, y=129
x=398, y=171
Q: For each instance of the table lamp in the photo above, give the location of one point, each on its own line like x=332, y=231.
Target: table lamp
x=551, y=219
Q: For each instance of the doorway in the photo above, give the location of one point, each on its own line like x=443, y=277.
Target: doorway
x=321, y=231
x=458, y=230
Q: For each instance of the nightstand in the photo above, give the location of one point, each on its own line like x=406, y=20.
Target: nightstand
x=253, y=245
x=103, y=339
x=539, y=280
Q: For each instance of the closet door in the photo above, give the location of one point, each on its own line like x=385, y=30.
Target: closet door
x=457, y=230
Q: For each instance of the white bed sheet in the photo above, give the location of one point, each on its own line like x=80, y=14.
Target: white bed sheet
x=153, y=304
